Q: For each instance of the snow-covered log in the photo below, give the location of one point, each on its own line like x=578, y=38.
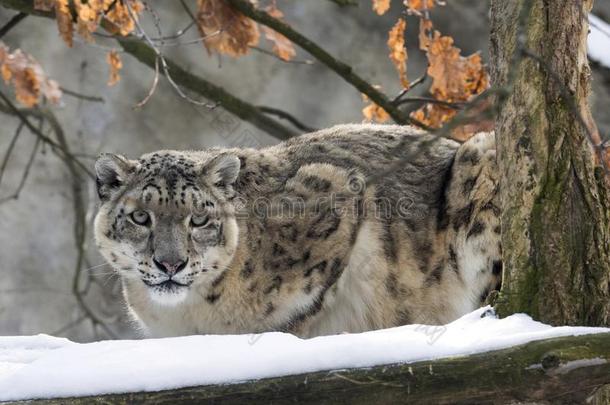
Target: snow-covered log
x=559, y=370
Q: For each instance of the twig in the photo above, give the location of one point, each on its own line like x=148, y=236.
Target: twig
x=240, y=108
x=342, y=69
x=10, y=108
x=152, y=88
x=455, y=106
x=146, y=55
x=161, y=58
x=12, y=23
x=9, y=150
x=164, y=38
x=601, y=29
x=187, y=9
x=412, y=85
x=343, y=3
x=283, y=114
x=75, y=94
x=165, y=44
x=296, y=62
x=80, y=225
x=61, y=148
x=25, y=175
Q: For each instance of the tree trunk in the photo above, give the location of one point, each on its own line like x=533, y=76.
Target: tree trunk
x=555, y=217
x=566, y=370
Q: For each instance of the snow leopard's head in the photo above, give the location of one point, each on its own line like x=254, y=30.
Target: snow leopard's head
x=167, y=221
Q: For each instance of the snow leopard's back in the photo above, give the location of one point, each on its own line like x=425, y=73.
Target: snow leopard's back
x=352, y=228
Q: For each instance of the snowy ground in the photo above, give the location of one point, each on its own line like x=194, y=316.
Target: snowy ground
x=598, y=41
x=43, y=366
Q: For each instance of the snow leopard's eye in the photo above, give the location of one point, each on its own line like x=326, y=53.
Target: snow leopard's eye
x=198, y=221
x=140, y=217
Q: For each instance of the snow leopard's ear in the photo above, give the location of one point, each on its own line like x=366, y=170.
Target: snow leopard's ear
x=111, y=172
x=223, y=170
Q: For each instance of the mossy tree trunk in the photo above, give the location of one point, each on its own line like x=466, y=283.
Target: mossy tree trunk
x=555, y=218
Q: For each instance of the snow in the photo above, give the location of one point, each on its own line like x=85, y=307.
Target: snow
x=599, y=40
x=44, y=366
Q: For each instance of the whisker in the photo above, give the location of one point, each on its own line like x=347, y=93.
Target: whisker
x=96, y=266
x=104, y=273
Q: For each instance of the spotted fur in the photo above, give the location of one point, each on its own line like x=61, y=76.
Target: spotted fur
x=353, y=228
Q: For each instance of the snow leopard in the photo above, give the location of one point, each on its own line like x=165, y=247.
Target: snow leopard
x=348, y=229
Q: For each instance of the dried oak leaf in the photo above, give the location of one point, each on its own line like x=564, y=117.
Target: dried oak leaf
x=372, y=112
x=44, y=5
x=27, y=77
x=282, y=46
x=381, y=6
x=225, y=29
x=433, y=115
x=454, y=78
x=398, y=51
x=89, y=14
x=64, y=21
x=417, y=6
x=119, y=17
x=114, y=62
x=425, y=33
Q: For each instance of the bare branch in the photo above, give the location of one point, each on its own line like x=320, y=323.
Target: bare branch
x=430, y=100
x=26, y=173
x=187, y=9
x=181, y=77
x=61, y=148
x=9, y=150
x=12, y=23
x=339, y=67
x=75, y=94
x=343, y=3
x=152, y=88
x=63, y=153
x=270, y=53
x=80, y=223
x=282, y=114
x=412, y=85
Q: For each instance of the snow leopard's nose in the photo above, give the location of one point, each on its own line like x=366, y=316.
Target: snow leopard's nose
x=170, y=268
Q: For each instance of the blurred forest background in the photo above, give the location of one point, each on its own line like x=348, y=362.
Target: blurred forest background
x=37, y=245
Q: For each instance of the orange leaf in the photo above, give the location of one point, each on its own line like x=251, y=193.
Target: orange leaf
x=64, y=21
x=373, y=112
x=425, y=33
x=417, y=6
x=398, y=51
x=89, y=13
x=225, y=29
x=455, y=78
x=114, y=61
x=381, y=6
x=44, y=5
x=27, y=77
x=120, y=18
x=433, y=115
x=282, y=46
